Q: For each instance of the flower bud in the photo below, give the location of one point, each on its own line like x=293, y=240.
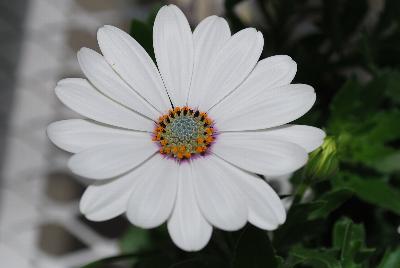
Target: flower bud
x=323, y=162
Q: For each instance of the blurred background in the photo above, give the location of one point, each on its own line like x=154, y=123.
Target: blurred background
x=348, y=50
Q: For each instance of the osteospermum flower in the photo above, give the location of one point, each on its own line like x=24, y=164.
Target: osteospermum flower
x=183, y=141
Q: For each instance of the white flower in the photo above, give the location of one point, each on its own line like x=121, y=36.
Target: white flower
x=192, y=164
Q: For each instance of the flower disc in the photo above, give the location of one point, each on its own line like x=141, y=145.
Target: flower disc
x=184, y=132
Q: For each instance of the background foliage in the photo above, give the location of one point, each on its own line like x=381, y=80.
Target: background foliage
x=350, y=53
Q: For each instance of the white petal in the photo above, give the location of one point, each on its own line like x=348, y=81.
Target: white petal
x=264, y=108
x=266, y=210
x=310, y=138
x=129, y=59
x=173, y=48
x=81, y=97
x=260, y=154
x=103, y=77
x=208, y=38
x=188, y=228
x=76, y=135
x=110, y=160
x=230, y=67
x=271, y=72
x=153, y=198
x=107, y=199
x=220, y=200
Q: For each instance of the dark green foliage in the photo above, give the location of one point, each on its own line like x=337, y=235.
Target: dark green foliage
x=352, y=216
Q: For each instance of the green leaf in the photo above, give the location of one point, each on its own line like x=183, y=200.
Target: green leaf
x=332, y=200
x=298, y=226
x=391, y=259
x=316, y=258
x=349, y=238
x=374, y=191
x=254, y=250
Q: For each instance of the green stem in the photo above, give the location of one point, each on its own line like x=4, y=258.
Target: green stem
x=301, y=189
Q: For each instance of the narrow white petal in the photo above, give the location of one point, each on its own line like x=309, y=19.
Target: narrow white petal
x=233, y=63
x=173, y=48
x=84, y=99
x=220, y=200
x=310, y=138
x=130, y=60
x=269, y=73
x=208, y=38
x=260, y=154
x=103, y=77
x=107, y=199
x=153, y=197
x=188, y=228
x=266, y=210
x=110, y=160
x=76, y=135
x=264, y=108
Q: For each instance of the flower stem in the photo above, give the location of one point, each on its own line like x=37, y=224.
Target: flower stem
x=301, y=189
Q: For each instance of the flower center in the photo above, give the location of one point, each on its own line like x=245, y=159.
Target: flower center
x=184, y=132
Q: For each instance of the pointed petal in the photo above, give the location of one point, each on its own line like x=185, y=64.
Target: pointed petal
x=81, y=97
x=110, y=160
x=76, y=135
x=129, y=59
x=104, y=78
x=266, y=210
x=230, y=67
x=220, y=200
x=208, y=38
x=260, y=154
x=264, y=108
x=310, y=138
x=107, y=199
x=269, y=73
x=173, y=48
x=152, y=199
x=188, y=228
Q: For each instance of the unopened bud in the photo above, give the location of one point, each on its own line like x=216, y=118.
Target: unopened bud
x=323, y=161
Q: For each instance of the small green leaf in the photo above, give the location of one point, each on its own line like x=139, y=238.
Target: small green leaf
x=349, y=238
x=374, y=191
x=391, y=259
x=316, y=258
x=332, y=200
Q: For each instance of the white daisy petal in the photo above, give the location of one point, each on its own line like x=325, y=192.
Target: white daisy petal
x=107, y=199
x=153, y=197
x=103, y=77
x=76, y=135
x=260, y=154
x=188, y=228
x=83, y=98
x=230, y=67
x=310, y=138
x=110, y=160
x=130, y=60
x=220, y=200
x=208, y=38
x=173, y=48
x=264, y=108
x=266, y=210
x=271, y=72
